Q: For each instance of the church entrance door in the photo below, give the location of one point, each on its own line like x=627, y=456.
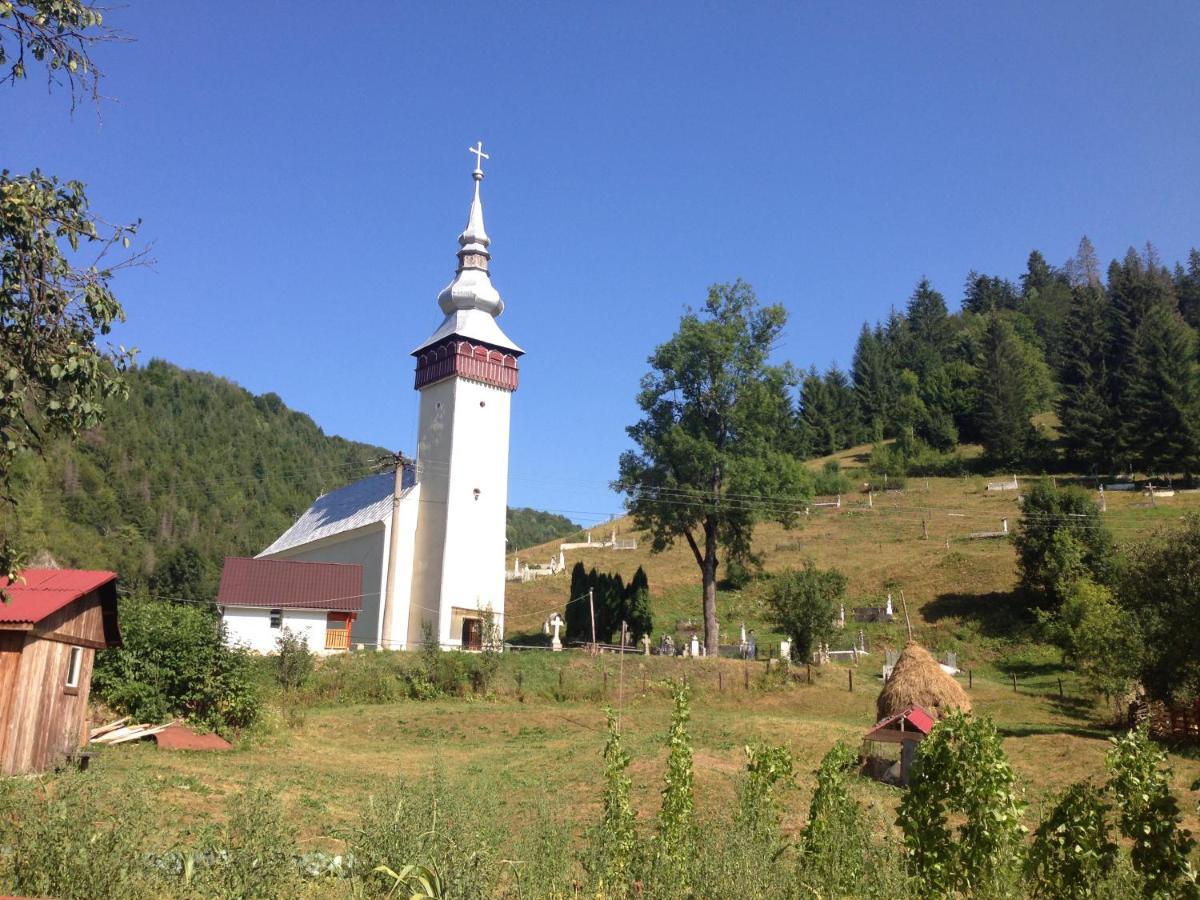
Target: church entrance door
x=472, y=634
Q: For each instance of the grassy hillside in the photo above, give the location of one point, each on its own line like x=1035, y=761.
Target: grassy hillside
x=958, y=589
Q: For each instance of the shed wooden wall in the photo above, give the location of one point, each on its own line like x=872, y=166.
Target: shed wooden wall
x=42, y=721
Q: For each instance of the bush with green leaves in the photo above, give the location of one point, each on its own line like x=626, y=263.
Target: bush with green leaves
x=1149, y=816
x=1098, y=637
x=961, y=771
x=801, y=604
x=1072, y=850
x=293, y=660
x=1060, y=539
x=174, y=661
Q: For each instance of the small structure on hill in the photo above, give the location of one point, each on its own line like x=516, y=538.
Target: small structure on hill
x=918, y=680
x=907, y=728
x=50, y=629
x=259, y=598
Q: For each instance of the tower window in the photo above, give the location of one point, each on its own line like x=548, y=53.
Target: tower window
x=277, y=618
x=482, y=403
x=476, y=493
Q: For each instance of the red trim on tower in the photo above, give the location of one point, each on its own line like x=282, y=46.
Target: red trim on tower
x=477, y=362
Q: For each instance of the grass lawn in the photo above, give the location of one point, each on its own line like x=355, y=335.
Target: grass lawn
x=538, y=756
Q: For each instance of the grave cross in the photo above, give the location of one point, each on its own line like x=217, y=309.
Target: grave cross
x=480, y=156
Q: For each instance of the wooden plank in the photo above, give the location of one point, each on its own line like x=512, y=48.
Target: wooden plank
x=111, y=726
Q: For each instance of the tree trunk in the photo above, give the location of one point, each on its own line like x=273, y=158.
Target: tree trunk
x=708, y=569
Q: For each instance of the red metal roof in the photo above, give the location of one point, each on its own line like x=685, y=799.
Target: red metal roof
x=915, y=716
x=287, y=584
x=41, y=592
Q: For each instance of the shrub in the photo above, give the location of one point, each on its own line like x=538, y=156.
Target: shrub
x=1060, y=538
x=801, y=605
x=174, y=662
x=831, y=480
x=293, y=659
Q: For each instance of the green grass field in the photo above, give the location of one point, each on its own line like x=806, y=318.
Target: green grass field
x=529, y=750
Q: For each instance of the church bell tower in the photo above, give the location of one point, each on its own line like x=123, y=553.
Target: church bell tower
x=466, y=374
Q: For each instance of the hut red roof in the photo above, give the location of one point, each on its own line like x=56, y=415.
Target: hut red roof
x=42, y=592
x=287, y=584
x=912, y=719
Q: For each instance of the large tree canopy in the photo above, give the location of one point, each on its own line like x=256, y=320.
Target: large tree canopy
x=711, y=457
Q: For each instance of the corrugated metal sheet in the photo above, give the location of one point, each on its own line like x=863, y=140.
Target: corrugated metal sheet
x=286, y=584
x=365, y=502
x=46, y=591
x=914, y=715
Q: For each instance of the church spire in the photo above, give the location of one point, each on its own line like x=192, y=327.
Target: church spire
x=472, y=287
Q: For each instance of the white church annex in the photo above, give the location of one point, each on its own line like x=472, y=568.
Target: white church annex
x=449, y=515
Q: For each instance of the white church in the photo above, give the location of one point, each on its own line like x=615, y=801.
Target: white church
x=431, y=543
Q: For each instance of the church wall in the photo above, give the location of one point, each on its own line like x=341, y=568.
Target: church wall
x=464, y=447
x=364, y=546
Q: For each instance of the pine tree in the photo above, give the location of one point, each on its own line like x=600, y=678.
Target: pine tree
x=986, y=293
x=874, y=373
x=1038, y=274
x=1187, y=288
x=1163, y=394
x=1013, y=382
x=1083, y=270
x=845, y=406
x=929, y=329
x=819, y=416
x=1084, y=407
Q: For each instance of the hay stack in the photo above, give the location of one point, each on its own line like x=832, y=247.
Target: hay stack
x=917, y=680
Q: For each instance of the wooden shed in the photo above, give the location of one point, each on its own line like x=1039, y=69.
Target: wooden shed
x=907, y=728
x=50, y=629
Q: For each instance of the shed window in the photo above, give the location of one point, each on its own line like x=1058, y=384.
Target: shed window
x=277, y=618
x=73, y=666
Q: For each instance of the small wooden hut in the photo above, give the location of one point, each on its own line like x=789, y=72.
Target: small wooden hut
x=918, y=680
x=50, y=629
x=907, y=728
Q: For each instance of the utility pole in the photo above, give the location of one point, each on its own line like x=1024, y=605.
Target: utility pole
x=592, y=609
x=399, y=462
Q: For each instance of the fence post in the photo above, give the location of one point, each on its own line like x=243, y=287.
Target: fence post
x=746, y=677
x=1060, y=689
x=808, y=666
x=560, y=677
x=720, y=682
x=850, y=672
x=1014, y=682
x=606, y=682
x=970, y=678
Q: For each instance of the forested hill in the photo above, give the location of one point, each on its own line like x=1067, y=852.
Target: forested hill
x=190, y=469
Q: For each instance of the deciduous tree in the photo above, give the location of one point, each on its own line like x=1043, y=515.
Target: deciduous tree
x=711, y=457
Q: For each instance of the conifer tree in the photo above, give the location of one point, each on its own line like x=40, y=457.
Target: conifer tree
x=874, y=373
x=1187, y=288
x=1013, y=384
x=637, y=605
x=579, y=625
x=929, y=330
x=1162, y=394
x=1084, y=406
x=819, y=416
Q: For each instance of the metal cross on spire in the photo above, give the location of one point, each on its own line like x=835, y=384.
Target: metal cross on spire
x=480, y=156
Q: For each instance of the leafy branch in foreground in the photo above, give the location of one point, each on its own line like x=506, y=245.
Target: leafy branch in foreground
x=56, y=33
x=54, y=379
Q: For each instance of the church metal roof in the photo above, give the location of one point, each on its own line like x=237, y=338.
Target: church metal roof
x=365, y=502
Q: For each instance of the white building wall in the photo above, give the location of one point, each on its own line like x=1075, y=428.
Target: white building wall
x=250, y=626
x=365, y=547
x=459, y=552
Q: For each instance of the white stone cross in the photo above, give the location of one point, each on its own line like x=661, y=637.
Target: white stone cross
x=480, y=156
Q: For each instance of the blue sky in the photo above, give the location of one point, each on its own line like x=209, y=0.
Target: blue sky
x=302, y=171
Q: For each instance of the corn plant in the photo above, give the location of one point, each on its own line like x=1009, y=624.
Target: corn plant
x=613, y=843
x=1072, y=852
